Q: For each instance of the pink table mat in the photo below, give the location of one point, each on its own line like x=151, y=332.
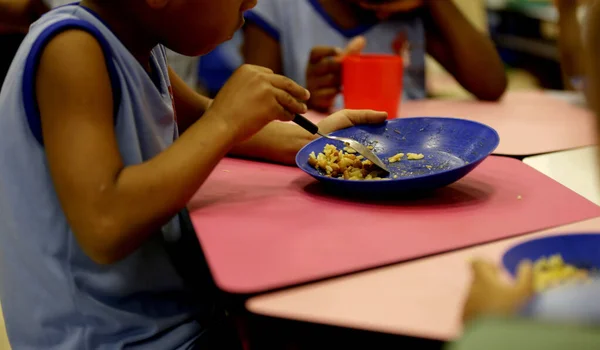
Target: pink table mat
x=265, y=226
x=421, y=298
x=528, y=122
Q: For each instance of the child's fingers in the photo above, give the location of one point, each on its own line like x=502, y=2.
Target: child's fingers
x=289, y=86
x=347, y=118
x=259, y=69
x=355, y=46
x=484, y=270
x=525, y=277
x=320, y=52
x=289, y=103
x=364, y=116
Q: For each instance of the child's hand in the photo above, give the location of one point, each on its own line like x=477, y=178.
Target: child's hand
x=346, y=118
x=323, y=74
x=490, y=295
x=253, y=97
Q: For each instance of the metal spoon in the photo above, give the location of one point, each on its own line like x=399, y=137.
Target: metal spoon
x=355, y=145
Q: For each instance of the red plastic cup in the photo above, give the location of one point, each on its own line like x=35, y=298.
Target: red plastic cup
x=373, y=82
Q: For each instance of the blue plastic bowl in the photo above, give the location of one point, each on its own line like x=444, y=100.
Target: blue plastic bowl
x=452, y=148
x=581, y=250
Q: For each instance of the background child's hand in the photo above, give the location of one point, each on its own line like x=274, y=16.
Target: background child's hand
x=253, y=97
x=491, y=295
x=346, y=118
x=323, y=74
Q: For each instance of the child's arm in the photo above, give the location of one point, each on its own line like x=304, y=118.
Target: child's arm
x=280, y=142
x=113, y=208
x=570, y=41
x=189, y=104
x=466, y=53
x=277, y=142
x=261, y=49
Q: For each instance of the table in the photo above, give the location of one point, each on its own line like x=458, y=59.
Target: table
x=576, y=169
x=529, y=123
x=422, y=298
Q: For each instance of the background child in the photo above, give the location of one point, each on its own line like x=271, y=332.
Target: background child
x=570, y=43
x=304, y=39
x=490, y=294
x=96, y=167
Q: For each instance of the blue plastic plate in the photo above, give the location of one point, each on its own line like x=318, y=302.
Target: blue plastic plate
x=452, y=148
x=581, y=250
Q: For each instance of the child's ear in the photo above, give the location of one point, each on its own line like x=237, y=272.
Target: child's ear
x=157, y=4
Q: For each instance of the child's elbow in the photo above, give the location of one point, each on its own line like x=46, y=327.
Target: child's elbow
x=101, y=242
x=493, y=89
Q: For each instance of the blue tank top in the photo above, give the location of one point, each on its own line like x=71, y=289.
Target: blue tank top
x=300, y=25
x=53, y=296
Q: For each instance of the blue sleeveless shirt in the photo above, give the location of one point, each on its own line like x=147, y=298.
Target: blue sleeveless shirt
x=54, y=296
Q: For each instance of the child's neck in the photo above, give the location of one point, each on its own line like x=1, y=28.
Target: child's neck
x=137, y=41
x=345, y=14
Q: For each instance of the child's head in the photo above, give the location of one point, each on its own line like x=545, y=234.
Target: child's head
x=386, y=8
x=189, y=27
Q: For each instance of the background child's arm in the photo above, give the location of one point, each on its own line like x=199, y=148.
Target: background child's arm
x=466, y=53
x=189, y=104
x=592, y=57
x=261, y=49
x=113, y=208
x=570, y=41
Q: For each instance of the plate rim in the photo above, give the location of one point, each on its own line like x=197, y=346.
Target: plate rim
x=318, y=175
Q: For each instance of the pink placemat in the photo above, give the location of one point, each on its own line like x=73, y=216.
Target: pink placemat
x=265, y=226
x=528, y=122
x=421, y=298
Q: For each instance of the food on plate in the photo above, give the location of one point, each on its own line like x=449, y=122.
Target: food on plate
x=553, y=271
x=395, y=158
x=415, y=156
x=343, y=164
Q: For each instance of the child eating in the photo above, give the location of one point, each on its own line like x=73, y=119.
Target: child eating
x=303, y=39
x=490, y=295
x=102, y=146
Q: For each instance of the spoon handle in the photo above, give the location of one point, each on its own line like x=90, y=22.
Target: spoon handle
x=306, y=124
